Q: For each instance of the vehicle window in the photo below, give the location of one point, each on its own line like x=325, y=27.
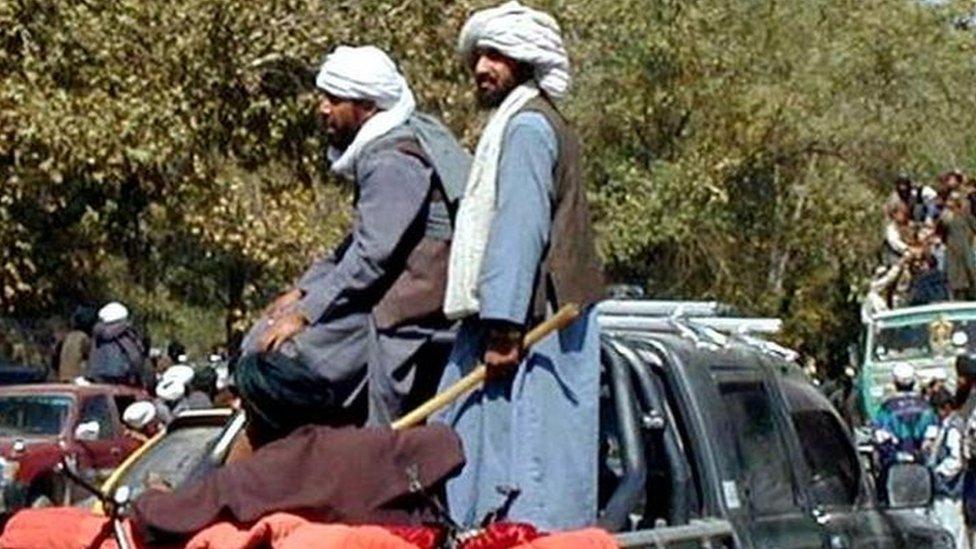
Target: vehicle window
x=39, y=415
x=827, y=449
x=766, y=479
x=902, y=342
x=923, y=339
x=171, y=459
x=97, y=409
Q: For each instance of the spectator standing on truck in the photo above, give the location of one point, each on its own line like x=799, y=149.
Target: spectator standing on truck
x=902, y=196
x=367, y=311
x=959, y=228
x=944, y=456
x=523, y=248
x=72, y=351
x=899, y=235
x=117, y=354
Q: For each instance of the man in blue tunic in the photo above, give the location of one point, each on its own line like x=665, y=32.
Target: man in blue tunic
x=362, y=315
x=523, y=247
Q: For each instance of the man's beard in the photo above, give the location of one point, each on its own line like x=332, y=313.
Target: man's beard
x=339, y=139
x=491, y=98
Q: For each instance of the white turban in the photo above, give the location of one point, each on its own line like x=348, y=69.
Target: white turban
x=139, y=414
x=113, y=312
x=172, y=385
x=365, y=73
x=523, y=34
x=362, y=73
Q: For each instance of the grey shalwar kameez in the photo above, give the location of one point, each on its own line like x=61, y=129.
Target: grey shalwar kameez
x=537, y=432
x=344, y=342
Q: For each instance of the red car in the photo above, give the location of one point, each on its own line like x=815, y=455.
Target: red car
x=40, y=424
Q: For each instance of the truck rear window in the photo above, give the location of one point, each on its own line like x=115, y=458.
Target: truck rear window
x=765, y=477
x=172, y=459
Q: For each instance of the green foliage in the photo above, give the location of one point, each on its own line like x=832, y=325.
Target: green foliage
x=170, y=153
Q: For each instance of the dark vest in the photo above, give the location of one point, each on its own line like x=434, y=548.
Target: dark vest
x=416, y=295
x=570, y=271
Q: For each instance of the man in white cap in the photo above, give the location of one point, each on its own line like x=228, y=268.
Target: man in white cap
x=366, y=312
x=117, y=353
x=523, y=248
x=902, y=421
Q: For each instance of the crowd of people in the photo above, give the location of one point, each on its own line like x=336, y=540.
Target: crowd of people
x=928, y=244
x=930, y=425
x=105, y=346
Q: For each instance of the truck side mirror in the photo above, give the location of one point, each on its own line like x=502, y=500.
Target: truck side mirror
x=909, y=485
x=87, y=431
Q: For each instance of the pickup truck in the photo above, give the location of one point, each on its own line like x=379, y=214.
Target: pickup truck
x=40, y=424
x=719, y=439
x=707, y=439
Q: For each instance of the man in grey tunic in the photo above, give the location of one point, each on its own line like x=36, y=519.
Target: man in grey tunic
x=523, y=247
x=360, y=316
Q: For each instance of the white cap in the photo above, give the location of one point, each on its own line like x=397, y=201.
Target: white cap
x=139, y=414
x=172, y=385
x=113, y=312
x=170, y=390
x=903, y=374
x=179, y=372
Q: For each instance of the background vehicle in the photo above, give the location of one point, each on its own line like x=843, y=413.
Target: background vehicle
x=720, y=437
x=705, y=437
x=929, y=338
x=40, y=424
x=18, y=374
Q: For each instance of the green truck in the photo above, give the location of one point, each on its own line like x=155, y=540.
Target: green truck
x=928, y=337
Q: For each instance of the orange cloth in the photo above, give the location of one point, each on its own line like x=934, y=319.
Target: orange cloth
x=73, y=528
x=286, y=531
x=59, y=528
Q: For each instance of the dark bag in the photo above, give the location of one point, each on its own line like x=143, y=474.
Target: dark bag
x=969, y=496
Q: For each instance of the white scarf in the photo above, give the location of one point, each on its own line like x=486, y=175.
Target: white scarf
x=477, y=209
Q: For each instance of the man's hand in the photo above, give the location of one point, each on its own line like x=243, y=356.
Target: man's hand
x=503, y=351
x=283, y=301
x=281, y=329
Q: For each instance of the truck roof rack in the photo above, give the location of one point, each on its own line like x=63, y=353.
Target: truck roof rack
x=726, y=325
x=660, y=316
x=651, y=307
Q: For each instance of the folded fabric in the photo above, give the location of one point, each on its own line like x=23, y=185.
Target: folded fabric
x=287, y=531
x=80, y=529
x=350, y=475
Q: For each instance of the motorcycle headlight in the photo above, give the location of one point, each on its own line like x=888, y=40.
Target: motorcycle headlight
x=8, y=470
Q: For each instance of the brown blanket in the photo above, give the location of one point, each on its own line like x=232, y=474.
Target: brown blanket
x=347, y=475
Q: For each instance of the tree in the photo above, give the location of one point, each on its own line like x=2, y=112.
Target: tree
x=170, y=153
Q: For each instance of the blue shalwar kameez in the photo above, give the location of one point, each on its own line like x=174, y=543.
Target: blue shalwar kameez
x=537, y=431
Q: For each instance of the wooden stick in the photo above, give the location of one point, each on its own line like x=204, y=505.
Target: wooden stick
x=563, y=318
